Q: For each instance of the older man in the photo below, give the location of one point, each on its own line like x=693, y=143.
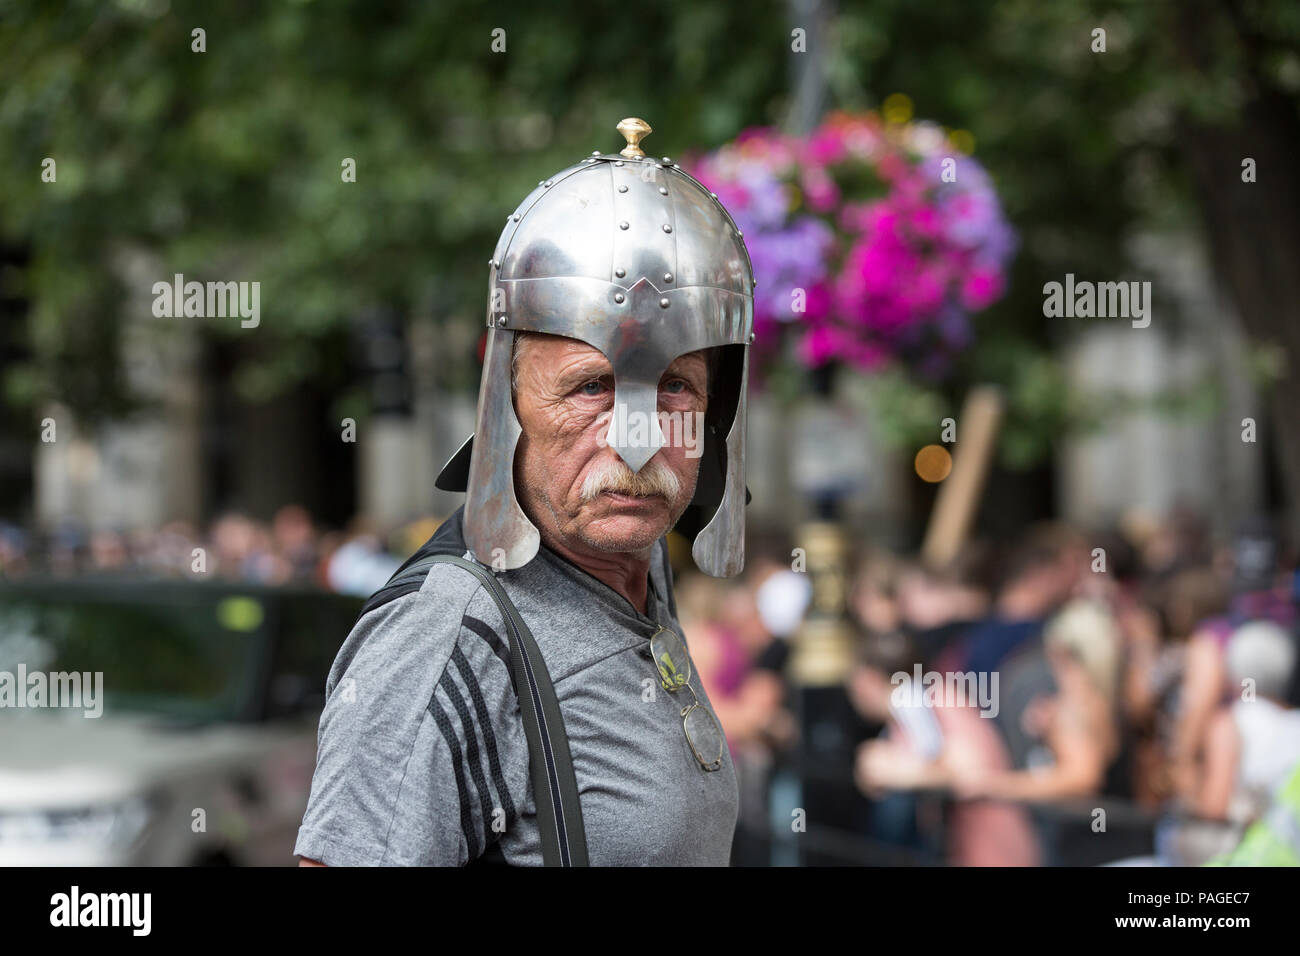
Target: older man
x=520, y=692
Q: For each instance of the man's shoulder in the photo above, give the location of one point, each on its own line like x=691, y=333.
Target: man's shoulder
x=418, y=742
x=418, y=627
x=435, y=590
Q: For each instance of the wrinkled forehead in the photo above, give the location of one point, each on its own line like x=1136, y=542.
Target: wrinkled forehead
x=560, y=353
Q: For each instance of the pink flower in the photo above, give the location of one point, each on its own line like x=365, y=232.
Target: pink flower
x=825, y=147
x=817, y=346
x=981, y=288
x=926, y=291
x=820, y=190
x=925, y=221
x=822, y=343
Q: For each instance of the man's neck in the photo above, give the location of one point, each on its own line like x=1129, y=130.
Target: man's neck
x=626, y=572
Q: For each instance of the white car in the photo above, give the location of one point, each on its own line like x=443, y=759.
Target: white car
x=160, y=724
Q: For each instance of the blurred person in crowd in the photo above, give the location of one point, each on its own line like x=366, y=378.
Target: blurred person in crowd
x=1065, y=737
x=1260, y=592
x=13, y=551
x=266, y=565
x=245, y=550
x=739, y=610
x=924, y=747
x=326, y=547
x=141, y=544
x=767, y=770
x=875, y=607
x=68, y=546
x=1041, y=573
x=108, y=552
x=726, y=636
x=737, y=637
x=172, y=548
x=294, y=538
x=234, y=546
x=931, y=609
x=1168, y=544
x=873, y=594
x=1273, y=839
x=781, y=596
x=716, y=647
x=1252, y=745
x=1115, y=577
x=1157, y=631
x=1261, y=728
x=938, y=606
x=360, y=565
x=1057, y=744
x=977, y=832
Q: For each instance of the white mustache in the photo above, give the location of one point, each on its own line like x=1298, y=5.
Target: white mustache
x=656, y=478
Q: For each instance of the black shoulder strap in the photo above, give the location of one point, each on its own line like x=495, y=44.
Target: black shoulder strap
x=555, y=789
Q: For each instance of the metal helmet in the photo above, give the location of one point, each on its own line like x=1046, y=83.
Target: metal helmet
x=636, y=258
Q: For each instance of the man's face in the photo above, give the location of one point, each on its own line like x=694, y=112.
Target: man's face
x=569, y=481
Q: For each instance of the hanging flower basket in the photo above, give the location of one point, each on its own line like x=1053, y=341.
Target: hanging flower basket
x=873, y=242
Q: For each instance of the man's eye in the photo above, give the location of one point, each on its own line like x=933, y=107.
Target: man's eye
x=592, y=388
x=675, y=386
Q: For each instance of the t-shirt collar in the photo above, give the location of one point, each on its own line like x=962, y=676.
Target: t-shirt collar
x=656, y=604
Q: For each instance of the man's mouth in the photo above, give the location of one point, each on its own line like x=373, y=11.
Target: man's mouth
x=624, y=496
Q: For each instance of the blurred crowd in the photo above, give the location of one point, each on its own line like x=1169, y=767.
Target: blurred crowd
x=1148, y=673
x=291, y=549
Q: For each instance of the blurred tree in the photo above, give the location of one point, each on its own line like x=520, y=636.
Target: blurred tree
x=1250, y=131
x=226, y=164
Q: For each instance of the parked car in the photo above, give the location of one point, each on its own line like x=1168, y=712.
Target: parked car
x=203, y=750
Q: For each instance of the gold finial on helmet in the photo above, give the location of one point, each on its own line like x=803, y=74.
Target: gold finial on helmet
x=634, y=130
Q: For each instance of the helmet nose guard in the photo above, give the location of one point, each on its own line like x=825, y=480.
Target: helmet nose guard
x=634, y=430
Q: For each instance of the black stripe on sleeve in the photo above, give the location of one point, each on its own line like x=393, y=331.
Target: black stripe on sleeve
x=499, y=647
x=449, y=735
x=489, y=736
x=472, y=758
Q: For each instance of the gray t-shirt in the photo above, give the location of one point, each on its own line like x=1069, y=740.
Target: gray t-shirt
x=422, y=757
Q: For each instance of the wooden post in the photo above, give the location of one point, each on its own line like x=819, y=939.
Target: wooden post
x=959, y=497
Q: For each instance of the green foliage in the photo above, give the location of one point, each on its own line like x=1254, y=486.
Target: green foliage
x=226, y=164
